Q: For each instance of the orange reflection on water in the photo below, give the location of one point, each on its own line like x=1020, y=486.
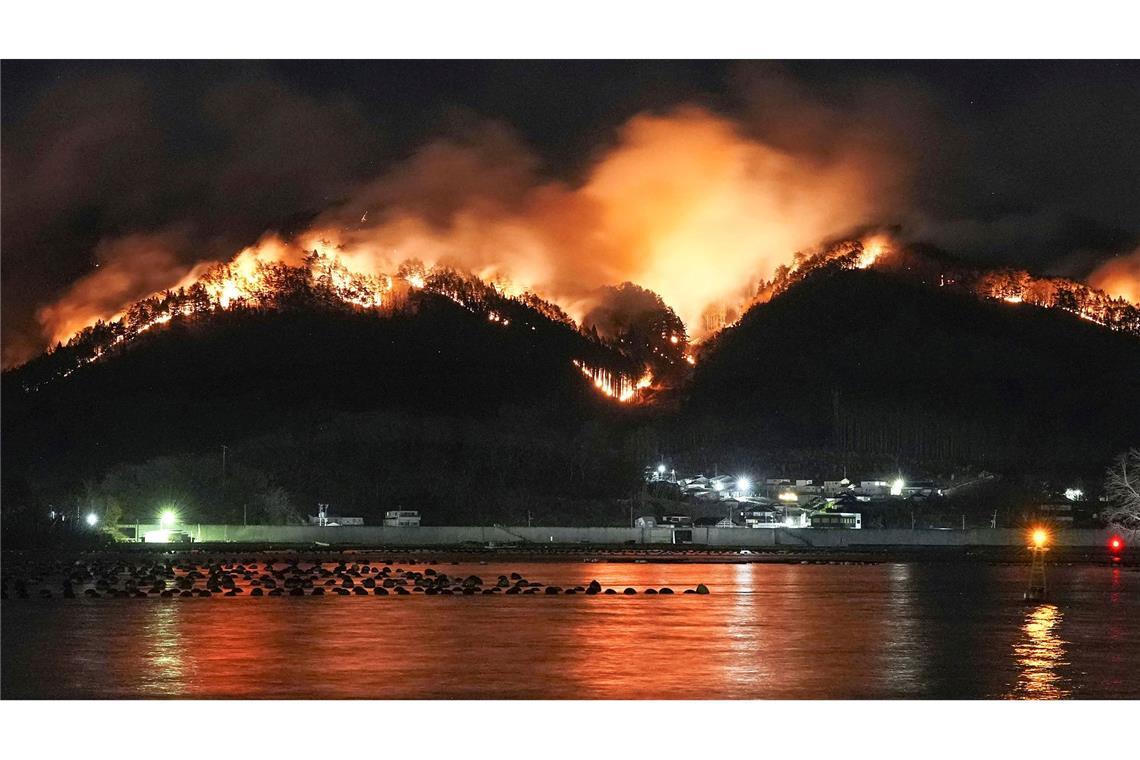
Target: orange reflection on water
x=1040, y=655
x=165, y=670
x=764, y=631
x=780, y=631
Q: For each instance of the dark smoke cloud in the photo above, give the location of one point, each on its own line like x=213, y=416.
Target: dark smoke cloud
x=96, y=163
x=1032, y=164
x=1025, y=163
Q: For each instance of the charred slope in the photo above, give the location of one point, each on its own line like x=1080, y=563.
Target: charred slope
x=874, y=362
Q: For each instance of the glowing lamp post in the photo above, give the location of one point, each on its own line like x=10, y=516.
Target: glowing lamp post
x=1037, y=586
x=166, y=520
x=92, y=520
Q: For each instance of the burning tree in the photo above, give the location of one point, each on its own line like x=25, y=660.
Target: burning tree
x=640, y=325
x=1122, y=486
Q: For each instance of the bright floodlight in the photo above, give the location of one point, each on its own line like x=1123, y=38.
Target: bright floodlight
x=167, y=518
x=1074, y=494
x=92, y=519
x=897, y=487
x=742, y=484
x=1040, y=537
x=661, y=469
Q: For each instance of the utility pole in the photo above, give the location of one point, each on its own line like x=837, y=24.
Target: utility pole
x=224, y=450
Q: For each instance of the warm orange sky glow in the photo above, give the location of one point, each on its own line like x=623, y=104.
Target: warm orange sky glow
x=1119, y=276
x=683, y=204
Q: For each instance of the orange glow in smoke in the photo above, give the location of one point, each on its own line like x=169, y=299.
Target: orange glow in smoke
x=685, y=204
x=1119, y=277
x=873, y=248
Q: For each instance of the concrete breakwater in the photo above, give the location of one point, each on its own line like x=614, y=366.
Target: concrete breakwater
x=819, y=538
x=156, y=576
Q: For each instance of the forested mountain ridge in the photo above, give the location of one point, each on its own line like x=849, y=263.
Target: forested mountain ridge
x=473, y=407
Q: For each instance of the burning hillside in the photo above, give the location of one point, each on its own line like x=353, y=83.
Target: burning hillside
x=686, y=204
x=1008, y=285
x=637, y=342
x=260, y=279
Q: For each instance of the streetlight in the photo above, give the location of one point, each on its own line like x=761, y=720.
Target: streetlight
x=92, y=519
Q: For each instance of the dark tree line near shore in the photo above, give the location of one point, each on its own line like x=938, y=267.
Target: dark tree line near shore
x=433, y=404
x=437, y=408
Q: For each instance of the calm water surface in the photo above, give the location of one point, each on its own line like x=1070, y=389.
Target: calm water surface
x=765, y=631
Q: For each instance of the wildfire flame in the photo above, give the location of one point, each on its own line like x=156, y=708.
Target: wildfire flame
x=873, y=248
x=258, y=273
x=686, y=204
x=1119, y=277
x=615, y=385
x=1090, y=304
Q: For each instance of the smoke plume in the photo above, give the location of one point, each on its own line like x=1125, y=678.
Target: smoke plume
x=1119, y=277
x=683, y=204
x=127, y=269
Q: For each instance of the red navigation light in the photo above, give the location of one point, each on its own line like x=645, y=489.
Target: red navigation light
x=1115, y=544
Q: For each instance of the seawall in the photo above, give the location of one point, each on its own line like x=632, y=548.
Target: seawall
x=734, y=537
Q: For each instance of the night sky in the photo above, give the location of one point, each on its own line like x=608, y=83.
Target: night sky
x=1033, y=164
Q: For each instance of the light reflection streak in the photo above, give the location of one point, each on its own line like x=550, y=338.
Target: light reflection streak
x=750, y=654
x=900, y=653
x=165, y=670
x=1118, y=630
x=1041, y=654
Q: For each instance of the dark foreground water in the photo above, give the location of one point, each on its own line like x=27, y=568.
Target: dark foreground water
x=765, y=631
